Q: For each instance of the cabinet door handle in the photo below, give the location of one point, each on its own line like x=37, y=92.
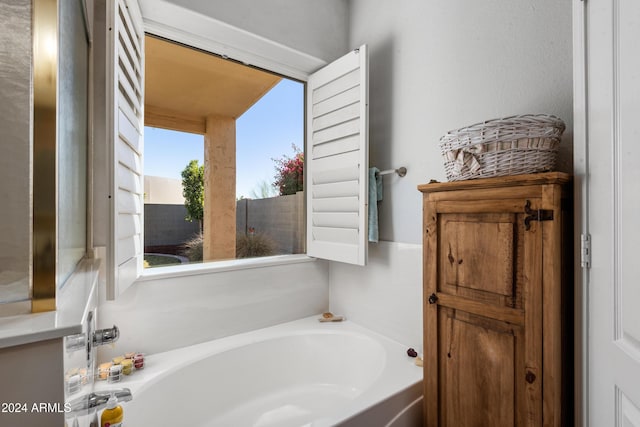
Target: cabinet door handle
x=433, y=299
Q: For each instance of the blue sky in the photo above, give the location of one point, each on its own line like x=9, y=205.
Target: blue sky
x=267, y=130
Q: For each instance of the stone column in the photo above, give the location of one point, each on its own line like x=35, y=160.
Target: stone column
x=219, y=222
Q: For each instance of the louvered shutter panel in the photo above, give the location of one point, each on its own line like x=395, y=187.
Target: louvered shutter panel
x=337, y=160
x=127, y=124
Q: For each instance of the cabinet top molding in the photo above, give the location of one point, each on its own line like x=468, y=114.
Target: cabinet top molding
x=528, y=179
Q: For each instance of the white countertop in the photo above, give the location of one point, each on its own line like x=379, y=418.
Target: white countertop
x=72, y=307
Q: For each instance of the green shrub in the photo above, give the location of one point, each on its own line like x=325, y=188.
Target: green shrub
x=192, y=248
x=254, y=245
x=247, y=246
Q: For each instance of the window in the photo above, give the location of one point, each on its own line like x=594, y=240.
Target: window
x=336, y=138
x=170, y=234
x=243, y=118
x=261, y=115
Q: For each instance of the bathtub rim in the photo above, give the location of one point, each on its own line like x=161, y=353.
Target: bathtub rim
x=399, y=372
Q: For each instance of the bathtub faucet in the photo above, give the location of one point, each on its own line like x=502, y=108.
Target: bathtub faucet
x=106, y=336
x=98, y=399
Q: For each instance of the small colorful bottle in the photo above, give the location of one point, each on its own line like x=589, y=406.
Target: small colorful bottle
x=127, y=366
x=113, y=414
x=115, y=373
x=138, y=361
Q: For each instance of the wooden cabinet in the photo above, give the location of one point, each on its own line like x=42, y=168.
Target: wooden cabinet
x=497, y=302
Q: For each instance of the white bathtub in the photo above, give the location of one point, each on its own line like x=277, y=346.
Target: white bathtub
x=301, y=373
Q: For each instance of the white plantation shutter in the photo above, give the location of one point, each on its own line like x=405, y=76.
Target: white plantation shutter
x=126, y=99
x=337, y=160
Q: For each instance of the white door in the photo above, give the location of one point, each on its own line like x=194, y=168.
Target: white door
x=613, y=205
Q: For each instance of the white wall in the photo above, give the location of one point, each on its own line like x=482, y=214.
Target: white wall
x=318, y=28
x=386, y=295
x=165, y=313
x=437, y=66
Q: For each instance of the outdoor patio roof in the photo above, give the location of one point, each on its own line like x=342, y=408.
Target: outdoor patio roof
x=183, y=86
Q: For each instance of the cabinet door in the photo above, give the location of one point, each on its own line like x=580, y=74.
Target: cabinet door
x=482, y=314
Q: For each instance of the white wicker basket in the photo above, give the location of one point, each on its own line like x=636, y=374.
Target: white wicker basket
x=507, y=146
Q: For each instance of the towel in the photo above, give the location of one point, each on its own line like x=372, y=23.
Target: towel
x=375, y=195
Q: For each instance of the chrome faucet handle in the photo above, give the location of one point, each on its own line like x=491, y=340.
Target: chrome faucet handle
x=75, y=342
x=98, y=399
x=106, y=336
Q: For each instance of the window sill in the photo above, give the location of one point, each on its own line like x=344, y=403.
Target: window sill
x=221, y=266
x=74, y=301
